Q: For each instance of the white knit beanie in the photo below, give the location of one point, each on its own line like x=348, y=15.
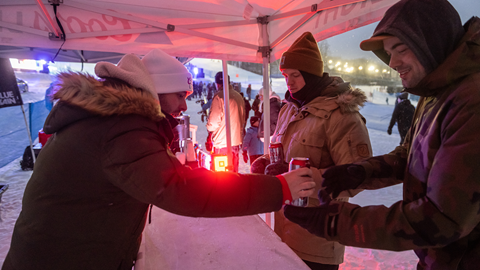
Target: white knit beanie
x=157, y=72
x=168, y=74
x=131, y=70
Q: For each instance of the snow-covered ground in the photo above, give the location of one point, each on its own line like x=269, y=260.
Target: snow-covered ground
x=377, y=113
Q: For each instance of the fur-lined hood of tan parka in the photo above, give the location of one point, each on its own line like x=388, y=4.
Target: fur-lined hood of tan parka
x=338, y=94
x=96, y=99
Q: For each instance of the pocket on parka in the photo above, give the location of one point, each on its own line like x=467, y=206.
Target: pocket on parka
x=311, y=147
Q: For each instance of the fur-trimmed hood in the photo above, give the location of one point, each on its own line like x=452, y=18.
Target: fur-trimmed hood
x=351, y=100
x=338, y=94
x=85, y=92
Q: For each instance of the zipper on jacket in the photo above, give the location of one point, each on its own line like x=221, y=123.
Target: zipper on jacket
x=350, y=147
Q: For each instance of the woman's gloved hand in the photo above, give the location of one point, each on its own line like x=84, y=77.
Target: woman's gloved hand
x=258, y=166
x=209, y=143
x=276, y=168
x=343, y=177
x=245, y=156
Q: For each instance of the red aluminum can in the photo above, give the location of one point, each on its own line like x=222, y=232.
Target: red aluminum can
x=276, y=153
x=297, y=163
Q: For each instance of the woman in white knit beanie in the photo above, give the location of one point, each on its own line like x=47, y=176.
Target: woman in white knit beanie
x=86, y=204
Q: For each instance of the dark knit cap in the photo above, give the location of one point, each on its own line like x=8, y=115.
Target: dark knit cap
x=219, y=78
x=303, y=55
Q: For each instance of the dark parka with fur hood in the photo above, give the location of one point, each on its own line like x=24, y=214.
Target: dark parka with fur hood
x=439, y=164
x=86, y=203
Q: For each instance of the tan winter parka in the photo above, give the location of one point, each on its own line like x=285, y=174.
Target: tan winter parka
x=216, y=119
x=330, y=131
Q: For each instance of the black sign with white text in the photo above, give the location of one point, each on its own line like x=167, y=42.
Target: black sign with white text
x=9, y=92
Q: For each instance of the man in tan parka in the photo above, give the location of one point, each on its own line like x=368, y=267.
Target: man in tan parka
x=321, y=121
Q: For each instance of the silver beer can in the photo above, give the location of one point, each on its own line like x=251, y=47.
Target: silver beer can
x=276, y=153
x=297, y=163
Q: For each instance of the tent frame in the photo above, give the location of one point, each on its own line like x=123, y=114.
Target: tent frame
x=189, y=29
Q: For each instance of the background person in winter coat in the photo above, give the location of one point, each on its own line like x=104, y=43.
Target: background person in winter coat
x=249, y=91
x=275, y=106
x=216, y=121
x=247, y=107
x=252, y=145
x=439, y=216
x=256, y=106
x=86, y=203
x=321, y=121
x=402, y=115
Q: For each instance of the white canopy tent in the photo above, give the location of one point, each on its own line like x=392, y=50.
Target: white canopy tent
x=237, y=30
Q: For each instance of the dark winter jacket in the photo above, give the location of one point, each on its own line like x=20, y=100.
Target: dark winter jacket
x=86, y=203
x=275, y=106
x=439, y=216
x=256, y=106
x=248, y=107
x=402, y=115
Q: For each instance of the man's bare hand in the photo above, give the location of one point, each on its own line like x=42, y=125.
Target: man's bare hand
x=300, y=182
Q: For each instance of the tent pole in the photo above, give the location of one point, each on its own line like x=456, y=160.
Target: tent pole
x=29, y=135
x=51, y=25
x=266, y=119
x=226, y=114
x=266, y=92
x=266, y=101
x=266, y=106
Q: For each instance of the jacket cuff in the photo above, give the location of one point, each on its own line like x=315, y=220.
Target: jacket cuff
x=340, y=220
x=287, y=195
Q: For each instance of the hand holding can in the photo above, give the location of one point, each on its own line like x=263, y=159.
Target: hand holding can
x=300, y=183
x=296, y=163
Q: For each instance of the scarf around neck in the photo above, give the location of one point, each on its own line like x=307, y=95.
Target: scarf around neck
x=314, y=87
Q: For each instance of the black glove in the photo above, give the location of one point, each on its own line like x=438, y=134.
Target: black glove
x=343, y=177
x=258, y=166
x=209, y=143
x=389, y=131
x=245, y=157
x=317, y=220
x=276, y=168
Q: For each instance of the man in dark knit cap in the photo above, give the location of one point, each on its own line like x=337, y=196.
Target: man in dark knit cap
x=321, y=121
x=439, y=217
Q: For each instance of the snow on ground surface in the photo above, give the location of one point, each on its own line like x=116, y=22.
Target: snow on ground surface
x=377, y=114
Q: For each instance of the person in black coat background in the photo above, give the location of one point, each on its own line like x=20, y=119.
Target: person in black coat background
x=402, y=115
